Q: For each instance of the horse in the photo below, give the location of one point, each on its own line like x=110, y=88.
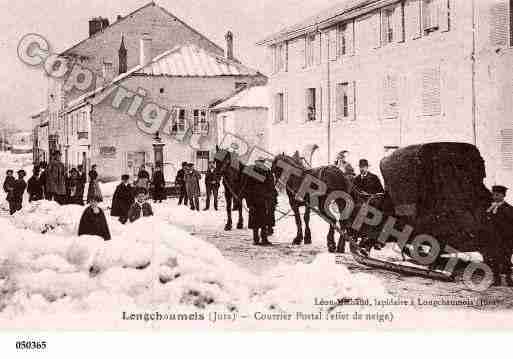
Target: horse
x=334, y=179
x=231, y=170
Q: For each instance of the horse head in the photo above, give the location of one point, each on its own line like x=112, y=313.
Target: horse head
x=222, y=159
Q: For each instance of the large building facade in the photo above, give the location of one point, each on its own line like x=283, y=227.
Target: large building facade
x=372, y=76
x=152, y=52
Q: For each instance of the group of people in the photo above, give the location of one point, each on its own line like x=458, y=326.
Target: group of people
x=188, y=183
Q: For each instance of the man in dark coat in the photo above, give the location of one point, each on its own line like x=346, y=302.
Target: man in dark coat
x=56, y=179
x=82, y=180
x=93, y=221
x=192, y=178
x=42, y=178
x=212, y=181
x=35, y=186
x=122, y=200
x=159, y=185
x=9, y=183
x=15, y=197
x=261, y=198
x=367, y=181
x=180, y=183
x=499, y=236
x=140, y=208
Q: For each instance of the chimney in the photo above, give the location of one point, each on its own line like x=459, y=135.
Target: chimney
x=229, y=45
x=97, y=24
x=122, y=57
x=108, y=71
x=146, y=50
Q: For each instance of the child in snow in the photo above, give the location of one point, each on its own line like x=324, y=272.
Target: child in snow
x=141, y=208
x=35, y=186
x=122, y=200
x=93, y=221
x=15, y=197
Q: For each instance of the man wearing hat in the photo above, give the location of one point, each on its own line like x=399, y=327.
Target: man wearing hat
x=180, y=182
x=15, y=197
x=499, y=227
x=367, y=181
x=344, y=166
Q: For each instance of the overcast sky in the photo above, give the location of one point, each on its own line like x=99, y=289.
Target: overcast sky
x=65, y=22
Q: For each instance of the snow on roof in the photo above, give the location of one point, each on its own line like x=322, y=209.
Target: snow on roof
x=182, y=61
x=192, y=61
x=252, y=97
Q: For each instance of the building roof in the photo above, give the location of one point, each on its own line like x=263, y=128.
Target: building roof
x=342, y=11
x=251, y=97
x=192, y=61
x=151, y=3
x=182, y=61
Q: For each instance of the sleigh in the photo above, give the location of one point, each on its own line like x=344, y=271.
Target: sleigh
x=438, y=190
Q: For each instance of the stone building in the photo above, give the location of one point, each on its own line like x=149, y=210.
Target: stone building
x=371, y=76
x=153, y=53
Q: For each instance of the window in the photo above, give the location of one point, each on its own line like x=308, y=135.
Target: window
x=280, y=57
x=506, y=148
x=430, y=16
x=202, y=158
x=387, y=25
x=390, y=97
x=279, y=107
x=311, y=101
x=342, y=100
x=200, y=121
x=342, y=39
x=178, y=125
x=310, y=50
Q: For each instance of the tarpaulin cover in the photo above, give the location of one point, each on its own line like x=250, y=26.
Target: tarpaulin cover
x=439, y=186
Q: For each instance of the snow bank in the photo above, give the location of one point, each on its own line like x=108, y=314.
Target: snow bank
x=48, y=273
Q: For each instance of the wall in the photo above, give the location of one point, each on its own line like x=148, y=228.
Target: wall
x=114, y=127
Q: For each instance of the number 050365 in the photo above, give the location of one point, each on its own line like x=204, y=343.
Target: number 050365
x=31, y=345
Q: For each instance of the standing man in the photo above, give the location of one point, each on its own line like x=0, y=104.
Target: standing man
x=9, y=184
x=42, y=178
x=212, y=181
x=345, y=166
x=15, y=197
x=82, y=179
x=143, y=179
x=180, y=182
x=192, y=178
x=35, y=186
x=56, y=179
x=367, y=181
x=159, y=184
x=499, y=230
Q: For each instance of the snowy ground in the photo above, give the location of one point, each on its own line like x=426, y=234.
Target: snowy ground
x=181, y=261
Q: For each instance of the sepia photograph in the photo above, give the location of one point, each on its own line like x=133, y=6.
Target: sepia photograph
x=247, y=166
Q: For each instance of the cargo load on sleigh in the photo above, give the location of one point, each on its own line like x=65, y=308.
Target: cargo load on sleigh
x=438, y=189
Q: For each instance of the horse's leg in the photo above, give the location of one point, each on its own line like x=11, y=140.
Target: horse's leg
x=308, y=234
x=228, y=200
x=341, y=247
x=297, y=217
x=240, y=222
x=331, y=239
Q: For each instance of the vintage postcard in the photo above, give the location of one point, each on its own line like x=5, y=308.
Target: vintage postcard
x=256, y=165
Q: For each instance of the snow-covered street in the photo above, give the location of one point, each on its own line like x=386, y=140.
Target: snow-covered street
x=182, y=261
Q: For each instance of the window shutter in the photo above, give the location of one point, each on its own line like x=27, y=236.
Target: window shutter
x=413, y=19
x=318, y=104
x=317, y=49
x=431, y=102
x=304, y=112
x=506, y=149
x=350, y=38
x=272, y=59
x=390, y=97
x=499, y=23
x=333, y=48
x=399, y=23
x=376, y=29
x=286, y=106
x=384, y=37
x=286, y=56
x=444, y=7
x=302, y=51
x=337, y=99
x=352, y=101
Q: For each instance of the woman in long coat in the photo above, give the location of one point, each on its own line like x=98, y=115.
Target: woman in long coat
x=94, y=188
x=122, y=200
x=93, y=221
